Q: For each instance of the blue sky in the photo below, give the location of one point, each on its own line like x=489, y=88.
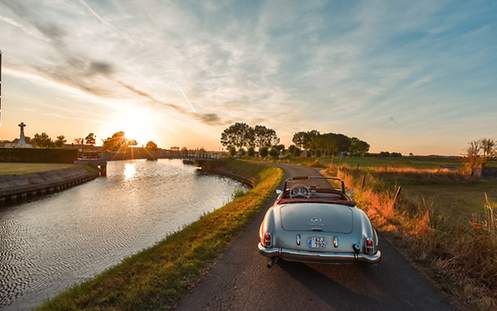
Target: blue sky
x=408, y=76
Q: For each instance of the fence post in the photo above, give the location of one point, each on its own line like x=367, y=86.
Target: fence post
x=491, y=221
x=363, y=182
x=397, y=197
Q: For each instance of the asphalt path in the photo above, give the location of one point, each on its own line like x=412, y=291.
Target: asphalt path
x=240, y=280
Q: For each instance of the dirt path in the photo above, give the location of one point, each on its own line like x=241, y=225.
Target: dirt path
x=239, y=280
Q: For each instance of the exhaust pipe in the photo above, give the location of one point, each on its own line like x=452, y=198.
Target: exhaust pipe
x=272, y=261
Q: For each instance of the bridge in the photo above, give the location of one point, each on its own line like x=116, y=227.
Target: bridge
x=99, y=160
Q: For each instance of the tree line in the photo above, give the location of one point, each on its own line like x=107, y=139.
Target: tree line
x=116, y=142
x=329, y=144
x=242, y=138
x=43, y=140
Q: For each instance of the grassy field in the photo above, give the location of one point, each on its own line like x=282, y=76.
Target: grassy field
x=417, y=162
x=11, y=168
x=449, y=195
x=157, y=277
x=440, y=220
x=454, y=200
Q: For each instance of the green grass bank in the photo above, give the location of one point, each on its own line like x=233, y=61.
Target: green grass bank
x=156, y=278
x=19, y=168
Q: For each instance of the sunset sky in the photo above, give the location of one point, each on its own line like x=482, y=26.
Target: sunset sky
x=408, y=76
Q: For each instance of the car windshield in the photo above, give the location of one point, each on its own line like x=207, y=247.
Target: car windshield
x=313, y=188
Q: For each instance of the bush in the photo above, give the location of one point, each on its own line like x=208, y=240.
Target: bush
x=251, y=151
x=274, y=152
x=263, y=152
x=38, y=155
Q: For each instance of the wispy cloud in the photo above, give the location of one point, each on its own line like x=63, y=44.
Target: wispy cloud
x=325, y=65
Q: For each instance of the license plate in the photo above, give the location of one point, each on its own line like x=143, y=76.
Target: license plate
x=316, y=242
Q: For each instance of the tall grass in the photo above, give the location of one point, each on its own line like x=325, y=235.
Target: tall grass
x=460, y=256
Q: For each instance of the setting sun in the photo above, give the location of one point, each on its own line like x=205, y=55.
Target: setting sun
x=136, y=122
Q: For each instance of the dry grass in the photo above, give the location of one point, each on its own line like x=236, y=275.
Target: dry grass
x=461, y=257
x=157, y=277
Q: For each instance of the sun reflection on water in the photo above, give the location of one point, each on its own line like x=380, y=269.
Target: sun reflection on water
x=129, y=170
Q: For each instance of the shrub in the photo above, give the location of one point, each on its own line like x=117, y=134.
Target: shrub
x=263, y=151
x=251, y=151
x=274, y=152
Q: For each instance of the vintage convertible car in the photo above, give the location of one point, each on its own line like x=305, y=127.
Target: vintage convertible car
x=311, y=221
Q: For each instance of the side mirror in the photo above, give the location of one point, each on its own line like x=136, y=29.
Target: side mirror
x=279, y=192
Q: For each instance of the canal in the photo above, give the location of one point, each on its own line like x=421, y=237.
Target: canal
x=51, y=244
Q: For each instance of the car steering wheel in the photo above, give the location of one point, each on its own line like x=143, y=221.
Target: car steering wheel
x=300, y=191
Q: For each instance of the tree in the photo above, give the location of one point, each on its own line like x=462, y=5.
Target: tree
x=280, y=147
x=265, y=137
x=293, y=150
x=116, y=142
x=60, y=141
x=358, y=147
x=274, y=152
x=330, y=143
x=474, y=161
x=304, y=139
x=488, y=148
x=263, y=151
x=42, y=140
x=232, y=151
x=151, y=146
x=238, y=135
x=300, y=139
x=90, y=139
x=478, y=154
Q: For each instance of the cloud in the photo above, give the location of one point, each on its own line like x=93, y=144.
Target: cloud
x=290, y=66
x=100, y=67
x=207, y=118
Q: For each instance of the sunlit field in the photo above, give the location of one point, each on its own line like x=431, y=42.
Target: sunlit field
x=440, y=217
x=451, y=163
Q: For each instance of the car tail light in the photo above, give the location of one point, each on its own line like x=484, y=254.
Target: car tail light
x=369, y=246
x=266, y=240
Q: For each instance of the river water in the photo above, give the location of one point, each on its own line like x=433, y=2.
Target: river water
x=51, y=244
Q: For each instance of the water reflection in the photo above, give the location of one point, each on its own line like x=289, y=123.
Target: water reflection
x=51, y=244
x=129, y=170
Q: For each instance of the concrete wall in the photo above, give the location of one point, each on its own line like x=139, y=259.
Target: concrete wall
x=15, y=188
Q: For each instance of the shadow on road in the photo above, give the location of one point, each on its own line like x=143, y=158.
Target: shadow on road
x=333, y=283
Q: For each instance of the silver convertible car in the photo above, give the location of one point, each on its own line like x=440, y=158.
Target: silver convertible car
x=313, y=222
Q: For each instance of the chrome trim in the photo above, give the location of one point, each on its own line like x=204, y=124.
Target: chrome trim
x=308, y=256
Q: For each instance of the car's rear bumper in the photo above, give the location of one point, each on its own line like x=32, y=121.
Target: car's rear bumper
x=322, y=257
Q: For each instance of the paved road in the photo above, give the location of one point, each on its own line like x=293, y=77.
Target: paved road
x=239, y=280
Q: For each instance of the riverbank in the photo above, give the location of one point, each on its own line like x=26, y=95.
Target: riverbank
x=28, y=185
x=248, y=173
x=158, y=276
